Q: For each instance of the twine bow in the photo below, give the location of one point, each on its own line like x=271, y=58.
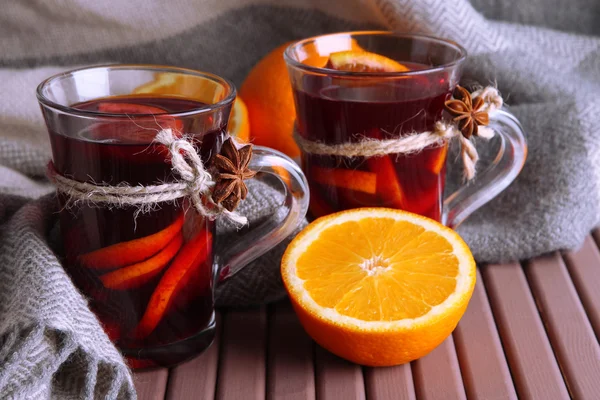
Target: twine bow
x=194, y=183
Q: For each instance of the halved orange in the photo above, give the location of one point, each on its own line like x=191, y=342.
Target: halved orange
x=378, y=286
x=363, y=61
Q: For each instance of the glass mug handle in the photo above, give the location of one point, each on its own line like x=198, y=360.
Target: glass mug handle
x=489, y=182
x=267, y=235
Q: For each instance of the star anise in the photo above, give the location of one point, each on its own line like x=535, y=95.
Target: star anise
x=232, y=167
x=467, y=111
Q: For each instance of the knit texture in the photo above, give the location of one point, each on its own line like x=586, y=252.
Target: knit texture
x=50, y=343
x=542, y=55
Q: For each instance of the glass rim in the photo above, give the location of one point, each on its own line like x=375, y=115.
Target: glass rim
x=226, y=83
x=290, y=61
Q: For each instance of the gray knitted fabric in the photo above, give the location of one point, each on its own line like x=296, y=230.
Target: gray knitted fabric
x=542, y=54
x=50, y=343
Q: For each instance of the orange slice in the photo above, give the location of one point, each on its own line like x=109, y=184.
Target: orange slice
x=439, y=160
x=378, y=286
x=239, y=124
x=388, y=186
x=317, y=52
x=202, y=90
x=191, y=87
x=132, y=251
x=192, y=255
x=361, y=181
x=136, y=275
x=363, y=61
x=136, y=129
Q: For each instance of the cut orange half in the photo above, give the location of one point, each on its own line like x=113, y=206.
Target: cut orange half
x=363, y=61
x=378, y=286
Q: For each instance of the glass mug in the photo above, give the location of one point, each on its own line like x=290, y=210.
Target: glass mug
x=150, y=276
x=335, y=107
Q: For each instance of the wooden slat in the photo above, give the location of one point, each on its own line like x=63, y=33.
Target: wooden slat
x=534, y=368
x=151, y=385
x=197, y=378
x=337, y=378
x=391, y=383
x=291, y=374
x=481, y=357
x=242, y=370
x=570, y=332
x=437, y=375
x=584, y=267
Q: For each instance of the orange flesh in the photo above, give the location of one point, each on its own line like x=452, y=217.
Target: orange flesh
x=389, y=278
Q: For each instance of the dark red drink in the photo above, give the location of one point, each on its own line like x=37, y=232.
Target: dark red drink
x=147, y=274
x=347, y=111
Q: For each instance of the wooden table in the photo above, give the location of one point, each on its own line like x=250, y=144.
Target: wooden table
x=531, y=331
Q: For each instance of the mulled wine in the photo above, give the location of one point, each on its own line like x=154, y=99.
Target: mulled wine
x=147, y=274
x=138, y=243
x=340, y=110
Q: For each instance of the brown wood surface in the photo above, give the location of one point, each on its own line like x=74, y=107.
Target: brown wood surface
x=196, y=378
x=530, y=331
x=437, y=375
x=532, y=363
x=570, y=332
x=291, y=374
x=242, y=372
x=480, y=354
x=151, y=385
x=584, y=268
x=391, y=383
x=337, y=378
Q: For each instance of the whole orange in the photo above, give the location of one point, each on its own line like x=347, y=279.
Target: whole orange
x=268, y=96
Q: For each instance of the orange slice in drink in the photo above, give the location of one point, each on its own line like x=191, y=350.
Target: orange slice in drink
x=202, y=90
x=378, y=286
x=192, y=255
x=136, y=129
x=187, y=86
x=239, y=124
x=132, y=251
x=360, y=181
x=363, y=61
x=136, y=275
x=439, y=159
